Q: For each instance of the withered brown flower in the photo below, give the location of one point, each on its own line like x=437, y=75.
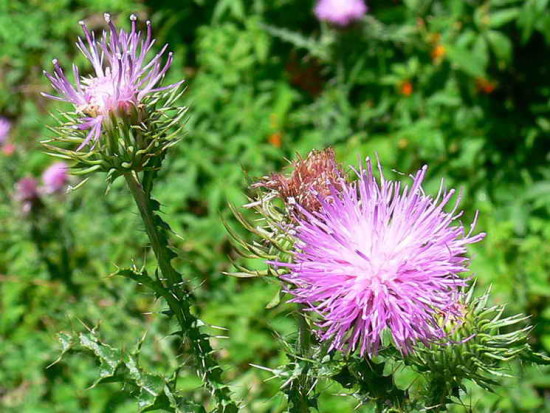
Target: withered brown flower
x=314, y=177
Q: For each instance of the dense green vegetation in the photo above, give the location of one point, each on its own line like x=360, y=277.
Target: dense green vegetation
x=462, y=86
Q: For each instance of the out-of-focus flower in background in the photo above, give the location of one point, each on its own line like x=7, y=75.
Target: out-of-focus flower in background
x=340, y=12
x=438, y=53
x=56, y=177
x=406, y=88
x=8, y=149
x=276, y=139
x=485, y=86
x=5, y=126
x=27, y=193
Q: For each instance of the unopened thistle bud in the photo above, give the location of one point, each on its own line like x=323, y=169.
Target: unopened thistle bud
x=121, y=114
x=478, y=347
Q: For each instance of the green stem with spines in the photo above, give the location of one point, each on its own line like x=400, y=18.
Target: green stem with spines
x=298, y=393
x=177, y=296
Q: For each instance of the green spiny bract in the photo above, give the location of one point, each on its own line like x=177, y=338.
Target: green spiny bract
x=152, y=391
x=270, y=229
x=281, y=198
x=136, y=140
x=477, y=349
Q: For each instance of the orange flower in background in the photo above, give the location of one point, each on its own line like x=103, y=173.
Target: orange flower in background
x=276, y=139
x=485, y=85
x=438, y=52
x=406, y=88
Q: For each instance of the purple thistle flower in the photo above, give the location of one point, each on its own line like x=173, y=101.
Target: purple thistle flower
x=5, y=126
x=123, y=75
x=340, y=12
x=26, y=192
x=56, y=177
x=378, y=256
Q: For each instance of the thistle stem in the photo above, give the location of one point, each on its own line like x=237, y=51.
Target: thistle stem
x=299, y=392
x=177, y=299
x=143, y=203
x=304, y=335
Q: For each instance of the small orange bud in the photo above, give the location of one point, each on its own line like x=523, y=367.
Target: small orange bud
x=438, y=52
x=276, y=139
x=485, y=85
x=406, y=88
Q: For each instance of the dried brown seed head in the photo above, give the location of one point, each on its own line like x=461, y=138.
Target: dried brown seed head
x=314, y=177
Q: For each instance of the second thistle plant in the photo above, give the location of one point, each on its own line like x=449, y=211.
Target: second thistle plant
x=123, y=122
x=376, y=267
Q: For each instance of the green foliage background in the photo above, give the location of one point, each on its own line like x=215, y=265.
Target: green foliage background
x=459, y=85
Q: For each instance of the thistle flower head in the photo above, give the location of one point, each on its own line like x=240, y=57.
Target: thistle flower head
x=56, y=177
x=312, y=179
x=123, y=76
x=5, y=126
x=378, y=256
x=340, y=12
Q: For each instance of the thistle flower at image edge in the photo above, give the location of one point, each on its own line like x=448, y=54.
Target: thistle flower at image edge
x=5, y=126
x=340, y=12
x=379, y=256
x=123, y=89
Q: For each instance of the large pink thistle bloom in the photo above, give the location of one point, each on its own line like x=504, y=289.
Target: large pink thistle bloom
x=123, y=76
x=378, y=256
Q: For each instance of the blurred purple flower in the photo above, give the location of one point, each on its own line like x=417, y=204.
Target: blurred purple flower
x=340, y=12
x=8, y=149
x=26, y=192
x=123, y=75
x=378, y=256
x=56, y=177
x=5, y=126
